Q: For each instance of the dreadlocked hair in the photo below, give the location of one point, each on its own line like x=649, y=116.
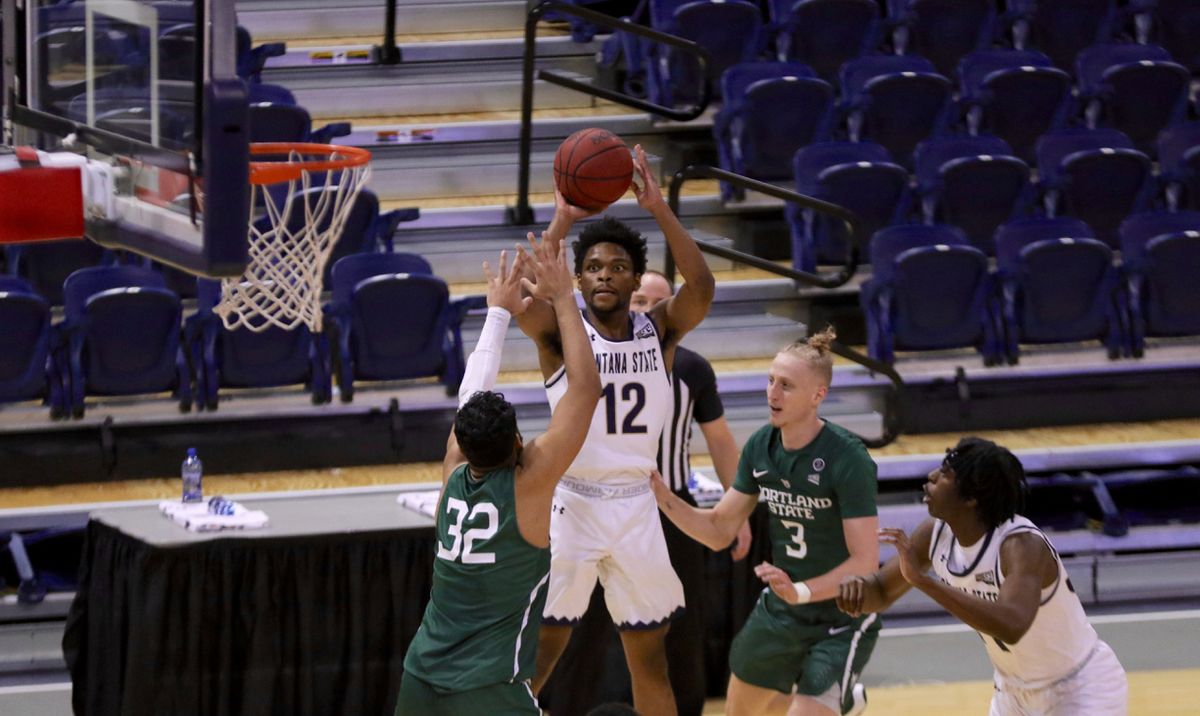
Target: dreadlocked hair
x=992, y=475
x=609, y=230
x=816, y=352
x=486, y=429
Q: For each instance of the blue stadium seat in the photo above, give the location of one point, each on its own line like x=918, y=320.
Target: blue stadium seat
x=1179, y=165
x=1156, y=497
x=824, y=34
x=860, y=176
x=122, y=330
x=373, y=341
x=27, y=362
x=1057, y=290
x=1095, y=175
x=46, y=264
x=974, y=183
x=1016, y=95
x=942, y=30
x=730, y=30
x=1160, y=253
x=771, y=109
x=1061, y=28
x=1175, y=24
x=1137, y=89
x=250, y=59
x=290, y=123
x=930, y=289
x=247, y=359
x=895, y=100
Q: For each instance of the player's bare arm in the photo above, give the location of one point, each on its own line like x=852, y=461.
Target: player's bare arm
x=876, y=592
x=724, y=452
x=862, y=543
x=483, y=365
x=688, y=307
x=715, y=527
x=1028, y=566
x=546, y=458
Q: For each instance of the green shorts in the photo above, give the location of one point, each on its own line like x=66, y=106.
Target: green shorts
x=418, y=698
x=810, y=648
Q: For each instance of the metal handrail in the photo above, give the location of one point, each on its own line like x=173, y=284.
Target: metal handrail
x=522, y=214
x=892, y=417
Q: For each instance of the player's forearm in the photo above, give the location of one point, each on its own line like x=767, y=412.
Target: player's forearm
x=483, y=365
x=996, y=619
x=825, y=586
x=578, y=358
x=701, y=525
x=688, y=259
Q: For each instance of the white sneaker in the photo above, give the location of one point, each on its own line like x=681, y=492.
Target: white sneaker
x=858, y=700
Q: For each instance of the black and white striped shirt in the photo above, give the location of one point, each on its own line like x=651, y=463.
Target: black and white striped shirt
x=694, y=388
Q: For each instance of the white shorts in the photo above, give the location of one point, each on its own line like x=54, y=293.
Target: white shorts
x=1099, y=688
x=614, y=535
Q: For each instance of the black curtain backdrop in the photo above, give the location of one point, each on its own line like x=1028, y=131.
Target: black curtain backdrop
x=246, y=626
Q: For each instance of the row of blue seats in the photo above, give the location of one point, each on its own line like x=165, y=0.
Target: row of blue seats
x=826, y=34
x=123, y=333
x=977, y=184
x=1053, y=282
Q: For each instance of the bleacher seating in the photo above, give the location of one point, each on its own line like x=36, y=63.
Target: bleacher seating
x=860, y=176
x=973, y=183
x=730, y=31
x=1057, y=290
x=930, y=289
x=895, y=100
x=1061, y=28
x=1174, y=24
x=1160, y=252
x=1016, y=95
x=1136, y=89
x=27, y=367
x=824, y=34
x=122, y=333
x=942, y=30
x=1178, y=162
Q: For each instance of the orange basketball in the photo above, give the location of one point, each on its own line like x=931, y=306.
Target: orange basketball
x=593, y=168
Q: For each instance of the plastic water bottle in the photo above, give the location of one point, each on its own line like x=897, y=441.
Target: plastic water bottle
x=192, y=472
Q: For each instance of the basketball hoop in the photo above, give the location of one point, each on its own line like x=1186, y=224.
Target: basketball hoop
x=292, y=240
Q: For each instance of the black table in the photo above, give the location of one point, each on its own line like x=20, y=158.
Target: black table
x=310, y=615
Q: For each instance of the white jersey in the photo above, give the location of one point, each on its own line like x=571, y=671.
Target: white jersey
x=622, y=444
x=1060, y=639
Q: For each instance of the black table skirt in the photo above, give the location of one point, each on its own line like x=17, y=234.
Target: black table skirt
x=314, y=625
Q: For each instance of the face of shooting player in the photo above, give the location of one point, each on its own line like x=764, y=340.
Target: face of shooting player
x=653, y=290
x=607, y=280
x=794, y=389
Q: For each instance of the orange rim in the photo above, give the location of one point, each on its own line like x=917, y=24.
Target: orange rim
x=274, y=172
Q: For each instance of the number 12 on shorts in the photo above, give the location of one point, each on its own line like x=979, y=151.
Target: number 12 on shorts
x=464, y=544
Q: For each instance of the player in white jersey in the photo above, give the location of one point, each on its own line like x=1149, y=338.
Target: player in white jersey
x=998, y=573
x=605, y=523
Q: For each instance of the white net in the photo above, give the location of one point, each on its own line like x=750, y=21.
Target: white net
x=298, y=223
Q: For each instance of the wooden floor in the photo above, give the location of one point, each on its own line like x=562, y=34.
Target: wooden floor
x=1151, y=693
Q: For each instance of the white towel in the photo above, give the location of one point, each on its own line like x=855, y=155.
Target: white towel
x=705, y=490
x=195, y=516
x=424, y=501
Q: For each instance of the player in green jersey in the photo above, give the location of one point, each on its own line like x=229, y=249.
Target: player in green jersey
x=797, y=653
x=475, y=649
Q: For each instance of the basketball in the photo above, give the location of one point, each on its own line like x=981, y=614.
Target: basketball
x=593, y=168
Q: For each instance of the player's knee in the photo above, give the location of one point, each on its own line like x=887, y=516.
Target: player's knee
x=646, y=650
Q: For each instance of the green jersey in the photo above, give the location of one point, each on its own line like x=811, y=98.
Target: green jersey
x=808, y=492
x=489, y=589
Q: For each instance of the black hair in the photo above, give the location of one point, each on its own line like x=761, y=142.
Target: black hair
x=486, y=429
x=989, y=473
x=611, y=231
x=613, y=709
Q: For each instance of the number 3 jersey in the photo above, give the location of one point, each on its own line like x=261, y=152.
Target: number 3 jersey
x=489, y=589
x=808, y=492
x=622, y=444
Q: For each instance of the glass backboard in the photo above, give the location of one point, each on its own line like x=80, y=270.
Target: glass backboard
x=150, y=89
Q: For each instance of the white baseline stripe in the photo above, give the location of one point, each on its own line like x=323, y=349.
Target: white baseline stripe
x=1098, y=619
x=35, y=688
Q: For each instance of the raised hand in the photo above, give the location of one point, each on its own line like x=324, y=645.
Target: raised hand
x=504, y=290
x=909, y=559
x=567, y=211
x=548, y=262
x=649, y=195
x=779, y=582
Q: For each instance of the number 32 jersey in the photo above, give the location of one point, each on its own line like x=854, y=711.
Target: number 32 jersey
x=808, y=493
x=622, y=444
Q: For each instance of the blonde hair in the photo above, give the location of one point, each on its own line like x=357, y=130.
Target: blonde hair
x=815, y=352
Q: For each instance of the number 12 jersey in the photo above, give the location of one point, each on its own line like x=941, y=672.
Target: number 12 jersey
x=622, y=443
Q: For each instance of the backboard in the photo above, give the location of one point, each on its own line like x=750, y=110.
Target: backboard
x=148, y=91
